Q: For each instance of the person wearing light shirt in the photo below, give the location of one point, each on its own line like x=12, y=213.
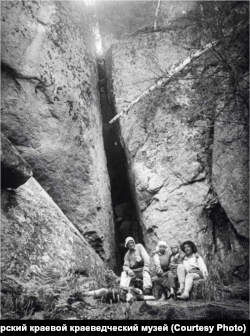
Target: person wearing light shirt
x=192, y=268
x=165, y=279
x=136, y=264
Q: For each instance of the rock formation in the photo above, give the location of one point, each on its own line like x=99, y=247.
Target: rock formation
x=51, y=110
x=14, y=170
x=188, y=179
x=187, y=183
x=36, y=235
x=43, y=255
x=117, y=19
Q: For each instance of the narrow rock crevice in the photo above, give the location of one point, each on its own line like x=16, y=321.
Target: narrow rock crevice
x=125, y=216
x=95, y=242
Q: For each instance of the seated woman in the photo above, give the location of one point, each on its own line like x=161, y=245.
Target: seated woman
x=165, y=281
x=136, y=264
x=192, y=268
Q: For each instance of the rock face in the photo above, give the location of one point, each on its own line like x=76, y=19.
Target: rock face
x=51, y=112
x=178, y=190
x=230, y=217
x=166, y=157
x=14, y=170
x=38, y=244
x=120, y=18
x=195, y=311
x=230, y=169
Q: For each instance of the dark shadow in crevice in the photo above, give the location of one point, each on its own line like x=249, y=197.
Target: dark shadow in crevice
x=225, y=233
x=125, y=216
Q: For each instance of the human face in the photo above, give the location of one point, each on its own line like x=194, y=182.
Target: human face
x=162, y=249
x=131, y=245
x=174, y=249
x=188, y=249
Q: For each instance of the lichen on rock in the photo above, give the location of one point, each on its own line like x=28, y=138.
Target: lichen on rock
x=181, y=167
x=51, y=108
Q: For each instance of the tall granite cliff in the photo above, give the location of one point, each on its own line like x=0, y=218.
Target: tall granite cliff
x=189, y=180
x=51, y=110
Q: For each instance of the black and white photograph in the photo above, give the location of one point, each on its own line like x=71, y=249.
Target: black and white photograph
x=124, y=165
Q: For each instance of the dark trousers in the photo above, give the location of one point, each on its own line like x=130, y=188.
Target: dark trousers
x=163, y=283
x=167, y=280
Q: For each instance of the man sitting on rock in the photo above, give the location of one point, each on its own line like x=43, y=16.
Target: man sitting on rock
x=192, y=268
x=136, y=264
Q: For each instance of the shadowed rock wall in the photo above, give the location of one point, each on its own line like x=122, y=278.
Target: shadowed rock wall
x=14, y=170
x=51, y=112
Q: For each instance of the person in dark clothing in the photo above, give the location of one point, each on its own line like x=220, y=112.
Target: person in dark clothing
x=165, y=281
x=175, y=259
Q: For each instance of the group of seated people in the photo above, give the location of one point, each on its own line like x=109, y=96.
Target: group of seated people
x=171, y=267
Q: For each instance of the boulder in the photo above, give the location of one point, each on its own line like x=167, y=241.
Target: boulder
x=167, y=157
x=178, y=310
x=188, y=182
x=15, y=171
x=43, y=255
x=51, y=109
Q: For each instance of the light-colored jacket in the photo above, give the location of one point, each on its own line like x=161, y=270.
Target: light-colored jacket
x=195, y=261
x=137, y=256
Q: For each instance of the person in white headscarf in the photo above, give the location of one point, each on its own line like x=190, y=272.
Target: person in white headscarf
x=136, y=264
x=166, y=280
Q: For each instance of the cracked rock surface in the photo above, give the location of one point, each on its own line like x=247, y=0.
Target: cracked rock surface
x=37, y=239
x=172, y=157
x=51, y=112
